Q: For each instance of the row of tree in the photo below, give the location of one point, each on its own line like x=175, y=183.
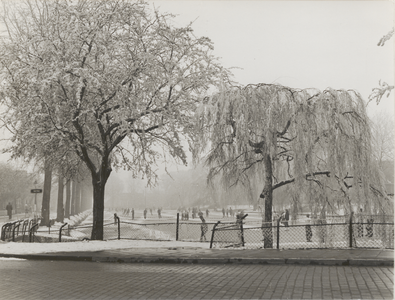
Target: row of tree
x=15, y=187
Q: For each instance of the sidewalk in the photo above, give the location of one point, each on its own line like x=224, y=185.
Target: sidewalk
x=193, y=255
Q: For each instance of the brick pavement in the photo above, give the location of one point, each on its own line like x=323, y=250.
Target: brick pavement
x=33, y=279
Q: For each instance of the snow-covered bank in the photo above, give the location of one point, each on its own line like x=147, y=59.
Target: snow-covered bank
x=35, y=248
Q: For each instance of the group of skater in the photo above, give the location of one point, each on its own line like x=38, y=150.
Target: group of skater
x=194, y=211
x=283, y=218
x=228, y=212
x=360, y=219
x=131, y=212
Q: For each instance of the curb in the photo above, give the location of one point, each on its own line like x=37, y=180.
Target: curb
x=245, y=261
x=47, y=257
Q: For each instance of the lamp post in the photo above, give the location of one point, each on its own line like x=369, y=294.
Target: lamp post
x=35, y=192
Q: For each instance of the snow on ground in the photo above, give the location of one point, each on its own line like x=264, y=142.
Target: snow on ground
x=90, y=246
x=86, y=246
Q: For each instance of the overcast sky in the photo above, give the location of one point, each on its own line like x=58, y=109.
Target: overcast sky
x=300, y=44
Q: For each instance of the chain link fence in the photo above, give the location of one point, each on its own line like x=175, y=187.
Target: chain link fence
x=317, y=234
x=360, y=231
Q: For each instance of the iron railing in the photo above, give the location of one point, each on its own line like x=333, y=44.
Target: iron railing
x=10, y=231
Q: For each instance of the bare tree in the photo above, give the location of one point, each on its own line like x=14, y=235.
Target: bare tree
x=384, y=88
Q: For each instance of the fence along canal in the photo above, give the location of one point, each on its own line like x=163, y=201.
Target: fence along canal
x=317, y=235
x=339, y=232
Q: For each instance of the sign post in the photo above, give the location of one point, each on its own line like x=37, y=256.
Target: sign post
x=35, y=192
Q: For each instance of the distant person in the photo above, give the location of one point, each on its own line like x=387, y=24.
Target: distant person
x=150, y=210
x=204, y=229
x=223, y=212
x=207, y=213
x=286, y=218
x=275, y=216
x=9, y=210
x=369, y=227
x=322, y=229
x=309, y=233
x=360, y=224
x=132, y=213
x=282, y=217
x=231, y=211
x=145, y=213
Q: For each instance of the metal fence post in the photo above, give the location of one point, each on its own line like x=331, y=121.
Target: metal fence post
x=31, y=234
x=242, y=234
x=13, y=230
x=212, y=235
x=177, y=225
x=17, y=232
x=350, y=230
x=24, y=226
x=278, y=233
x=3, y=231
x=60, y=232
x=119, y=228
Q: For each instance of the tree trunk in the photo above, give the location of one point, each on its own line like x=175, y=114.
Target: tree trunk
x=99, y=181
x=60, y=210
x=73, y=197
x=98, y=211
x=67, y=208
x=267, y=194
x=45, y=206
x=77, y=197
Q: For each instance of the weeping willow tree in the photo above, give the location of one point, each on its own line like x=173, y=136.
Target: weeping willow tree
x=317, y=143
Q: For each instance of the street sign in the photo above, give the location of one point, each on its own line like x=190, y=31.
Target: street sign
x=36, y=191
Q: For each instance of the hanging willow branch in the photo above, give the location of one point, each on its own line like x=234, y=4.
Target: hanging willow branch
x=305, y=133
